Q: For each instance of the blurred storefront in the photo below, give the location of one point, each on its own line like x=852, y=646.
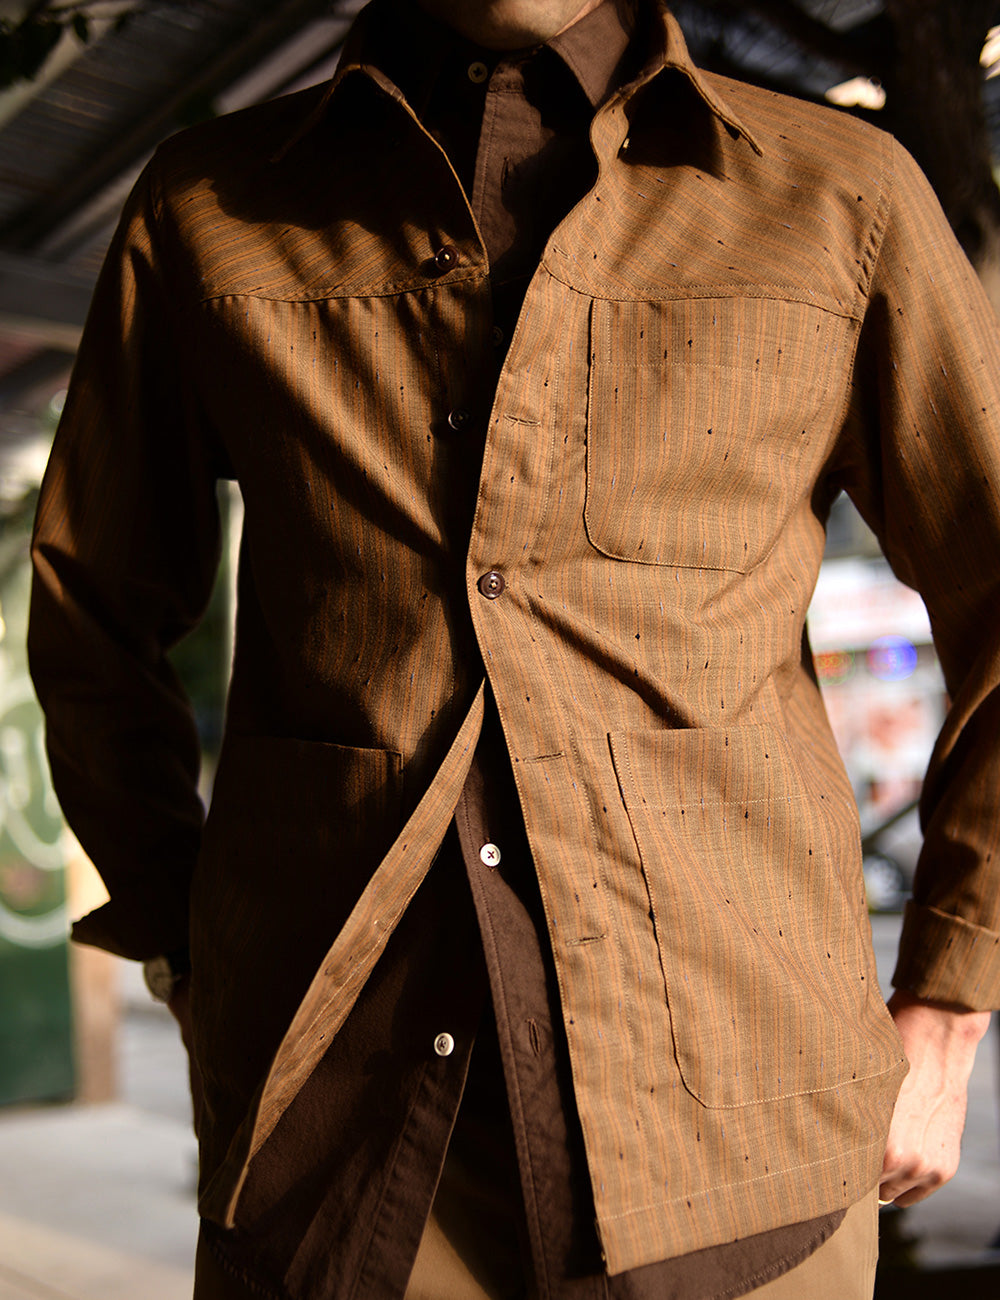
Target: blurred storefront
x=884, y=695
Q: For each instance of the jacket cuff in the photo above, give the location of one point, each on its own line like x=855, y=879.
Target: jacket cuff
x=948, y=959
x=118, y=929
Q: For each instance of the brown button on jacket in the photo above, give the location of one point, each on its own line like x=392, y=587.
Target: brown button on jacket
x=757, y=304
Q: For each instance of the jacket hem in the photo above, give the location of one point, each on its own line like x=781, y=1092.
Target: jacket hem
x=679, y=1225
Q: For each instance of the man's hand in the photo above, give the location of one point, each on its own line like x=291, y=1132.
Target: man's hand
x=940, y=1042
x=180, y=1007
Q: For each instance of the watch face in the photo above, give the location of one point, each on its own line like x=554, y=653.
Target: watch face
x=160, y=978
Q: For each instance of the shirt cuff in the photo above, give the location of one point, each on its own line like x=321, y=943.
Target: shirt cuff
x=947, y=959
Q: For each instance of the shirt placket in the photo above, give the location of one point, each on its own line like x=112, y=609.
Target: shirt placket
x=554, y=1182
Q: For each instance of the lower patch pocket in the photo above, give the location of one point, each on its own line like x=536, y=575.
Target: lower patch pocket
x=761, y=936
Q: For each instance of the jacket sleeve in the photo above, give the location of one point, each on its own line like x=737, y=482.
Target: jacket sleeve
x=926, y=476
x=125, y=549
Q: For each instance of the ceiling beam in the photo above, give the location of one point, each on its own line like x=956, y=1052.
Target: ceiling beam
x=42, y=301
x=259, y=40
x=28, y=384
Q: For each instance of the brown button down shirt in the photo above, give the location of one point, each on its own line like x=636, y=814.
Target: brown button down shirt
x=757, y=304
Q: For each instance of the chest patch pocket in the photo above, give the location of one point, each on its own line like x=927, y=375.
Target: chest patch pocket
x=708, y=420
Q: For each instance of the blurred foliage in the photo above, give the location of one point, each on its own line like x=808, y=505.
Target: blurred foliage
x=24, y=47
x=27, y=43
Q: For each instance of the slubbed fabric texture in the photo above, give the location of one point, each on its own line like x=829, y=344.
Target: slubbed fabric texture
x=757, y=304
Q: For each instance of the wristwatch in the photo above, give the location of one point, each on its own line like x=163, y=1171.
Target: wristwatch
x=163, y=973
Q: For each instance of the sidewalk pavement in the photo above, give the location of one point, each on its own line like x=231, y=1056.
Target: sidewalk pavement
x=97, y=1202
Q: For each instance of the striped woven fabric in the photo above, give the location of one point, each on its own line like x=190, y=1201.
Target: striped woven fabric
x=757, y=305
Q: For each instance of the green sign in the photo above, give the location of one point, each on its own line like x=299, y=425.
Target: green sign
x=36, y=1059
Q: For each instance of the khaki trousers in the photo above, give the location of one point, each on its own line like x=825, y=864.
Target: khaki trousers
x=843, y=1268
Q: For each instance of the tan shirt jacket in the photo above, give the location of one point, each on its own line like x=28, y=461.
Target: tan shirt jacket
x=758, y=304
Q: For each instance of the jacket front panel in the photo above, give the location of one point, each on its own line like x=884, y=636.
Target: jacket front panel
x=678, y=407
x=652, y=490
x=698, y=853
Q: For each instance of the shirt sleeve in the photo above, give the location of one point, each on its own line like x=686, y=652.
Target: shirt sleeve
x=125, y=550
x=926, y=476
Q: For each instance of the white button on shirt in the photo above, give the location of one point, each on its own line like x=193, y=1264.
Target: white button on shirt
x=489, y=855
x=444, y=1044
